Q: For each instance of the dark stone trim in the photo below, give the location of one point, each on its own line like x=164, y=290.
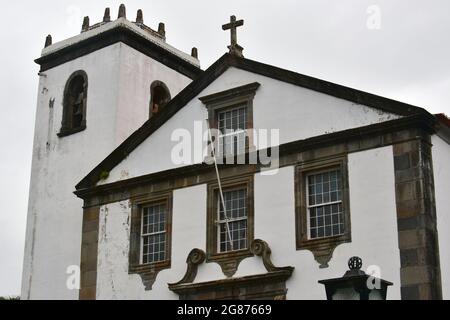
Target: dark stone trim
x=246, y=90
x=148, y=272
x=213, y=72
x=266, y=286
x=322, y=249
x=269, y=286
x=110, y=37
x=89, y=254
x=416, y=219
x=334, y=144
x=228, y=261
x=228, y=99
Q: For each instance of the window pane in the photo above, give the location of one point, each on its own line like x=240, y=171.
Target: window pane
x=154, y=219
x=154, y=233
x=232, y=125
x=233, y=119
x=330, y=220
x=154, y=249
x=326, y=214
x=236, y=211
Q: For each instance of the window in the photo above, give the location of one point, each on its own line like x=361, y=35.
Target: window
x=322, y=207
x=154, y=233
x=230, y=229
x=231, y=113
x=74, y=105
x=232, y=222
x=160, y=97
x=150, y=236
x=232, y=125
x=325, y=209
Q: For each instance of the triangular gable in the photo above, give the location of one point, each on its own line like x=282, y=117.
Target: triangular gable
x=216, y=70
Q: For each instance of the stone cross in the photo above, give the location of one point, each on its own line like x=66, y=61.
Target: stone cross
x=233, y=25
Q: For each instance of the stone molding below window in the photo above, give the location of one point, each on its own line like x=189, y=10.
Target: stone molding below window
x=322, y=248
x=148, y=272
x=271, y=285
x=229, y=262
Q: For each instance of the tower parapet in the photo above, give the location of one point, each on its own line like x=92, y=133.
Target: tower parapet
x=134, y=33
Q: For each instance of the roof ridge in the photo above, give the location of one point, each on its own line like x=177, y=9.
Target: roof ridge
x=327, y=87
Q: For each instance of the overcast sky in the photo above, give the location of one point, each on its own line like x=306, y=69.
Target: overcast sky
x=407, y=58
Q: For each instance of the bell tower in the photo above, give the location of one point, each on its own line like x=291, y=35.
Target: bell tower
x=95, y=89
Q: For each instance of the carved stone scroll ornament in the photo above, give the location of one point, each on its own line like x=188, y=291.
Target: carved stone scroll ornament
x=195, y=258
x=261, y=249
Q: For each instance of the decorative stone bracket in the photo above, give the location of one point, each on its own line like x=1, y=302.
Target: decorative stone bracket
x=148, y=273
x=261, y=249
x=271, y=285
x=195, y=258
x=148, y=279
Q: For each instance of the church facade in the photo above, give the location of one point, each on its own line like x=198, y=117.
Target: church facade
x=244, y=181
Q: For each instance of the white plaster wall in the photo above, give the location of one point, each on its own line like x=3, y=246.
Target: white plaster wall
x=374, y=234
x=116, y=106
x=189, y=227
x=297, y=112
x=55, y=214
x=441, y=168
x=137, y=73
x=373, y=223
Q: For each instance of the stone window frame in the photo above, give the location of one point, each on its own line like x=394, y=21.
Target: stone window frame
x=321, y=248
x=229, y=99
x=66, y=129
x=228, y=261
x=149, y=272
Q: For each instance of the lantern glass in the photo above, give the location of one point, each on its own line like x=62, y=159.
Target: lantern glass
x=376, y=295
x=346, y=294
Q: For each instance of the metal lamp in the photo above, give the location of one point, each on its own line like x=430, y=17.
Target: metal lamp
x=356, y=285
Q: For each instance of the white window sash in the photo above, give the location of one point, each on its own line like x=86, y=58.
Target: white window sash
x=227, y=140
x=145, y=235
x=309, y=207
x=323, y=204
x=219, y=223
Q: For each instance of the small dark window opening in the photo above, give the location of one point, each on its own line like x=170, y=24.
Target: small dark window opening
x=74, y=110
x=160, y=97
